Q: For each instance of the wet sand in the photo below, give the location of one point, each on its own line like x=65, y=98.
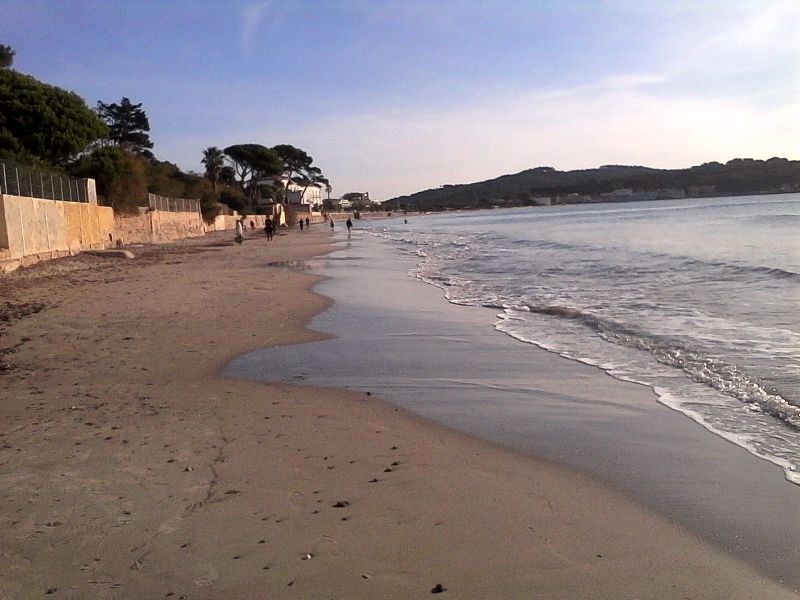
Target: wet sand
x=394, y=335
x=130, y=469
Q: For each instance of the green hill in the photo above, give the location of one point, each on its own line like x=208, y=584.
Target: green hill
x=610, y=183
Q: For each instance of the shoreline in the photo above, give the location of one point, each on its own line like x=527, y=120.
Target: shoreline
x=397, y=337
x=129, y=468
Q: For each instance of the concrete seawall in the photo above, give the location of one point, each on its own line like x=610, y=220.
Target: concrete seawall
x=32, y=229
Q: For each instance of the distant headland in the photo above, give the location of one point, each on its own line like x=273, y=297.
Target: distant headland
x=611, y=183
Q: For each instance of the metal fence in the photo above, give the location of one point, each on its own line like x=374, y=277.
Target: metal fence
x=19, y=180
x=157, y=202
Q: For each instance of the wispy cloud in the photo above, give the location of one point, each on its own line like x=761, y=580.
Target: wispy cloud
x=614, y=121
x=252, y=17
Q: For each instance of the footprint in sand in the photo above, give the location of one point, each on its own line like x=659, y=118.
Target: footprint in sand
x=327, y=546
x=208, y=575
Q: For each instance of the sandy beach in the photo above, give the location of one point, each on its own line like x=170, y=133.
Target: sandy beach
x=130, y=469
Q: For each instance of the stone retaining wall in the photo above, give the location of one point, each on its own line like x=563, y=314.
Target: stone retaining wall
x=33, y=229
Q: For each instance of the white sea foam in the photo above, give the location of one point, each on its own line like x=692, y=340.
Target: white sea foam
x=696, y=300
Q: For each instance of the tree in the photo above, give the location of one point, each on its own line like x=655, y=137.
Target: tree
x=41, y=121
x=214, y=160
x=119, y=174
x=252, y=162
x=6, y=56
x=312, y=176
x=227, y=175
x=165, y=179
x=294, y=160
x=298, y=163
x=127, y=126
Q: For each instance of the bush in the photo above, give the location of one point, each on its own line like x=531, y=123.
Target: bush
x=120, y=177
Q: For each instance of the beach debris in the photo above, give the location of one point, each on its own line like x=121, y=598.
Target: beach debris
x=438, y=589
x=307, y=556
x=365, y=576
x=393, y=448
x=395, y=464
x=374, y=480
x=51, y=590
x=232, y=492
x=188, y=470
x=369, y=393
x=341, y=504
x=388, y=470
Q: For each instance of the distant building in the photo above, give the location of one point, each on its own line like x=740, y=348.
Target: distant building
x=298, y=192
x=356, y=201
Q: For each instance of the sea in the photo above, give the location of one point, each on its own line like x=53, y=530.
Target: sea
x=696, y=298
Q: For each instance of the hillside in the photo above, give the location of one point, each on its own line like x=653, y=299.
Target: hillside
x=610, y=183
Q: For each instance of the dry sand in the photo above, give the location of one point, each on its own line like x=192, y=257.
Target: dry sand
x=128, y=469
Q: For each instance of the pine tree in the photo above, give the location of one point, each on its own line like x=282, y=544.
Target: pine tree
x=128, y=126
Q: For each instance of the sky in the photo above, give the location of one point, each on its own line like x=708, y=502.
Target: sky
x=393, y=97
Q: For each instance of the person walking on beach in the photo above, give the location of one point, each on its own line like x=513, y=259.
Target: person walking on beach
x=349, y=224
x=331, y=223
x=307, y=222
x=268, y=228
x=239, y=231
x=301, y=224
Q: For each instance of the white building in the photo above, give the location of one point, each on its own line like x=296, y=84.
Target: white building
x=297, y=192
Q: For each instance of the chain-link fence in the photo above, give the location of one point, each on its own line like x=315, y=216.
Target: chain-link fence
x=157, y=202
x=19, y=180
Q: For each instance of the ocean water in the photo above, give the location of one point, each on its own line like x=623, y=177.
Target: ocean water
x=696, y=298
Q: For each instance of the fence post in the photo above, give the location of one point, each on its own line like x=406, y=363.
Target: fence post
x=52, y=188
x=30, y=184
x=61, y=187
x=16, y=173
x=5, y=183
x=41, y=184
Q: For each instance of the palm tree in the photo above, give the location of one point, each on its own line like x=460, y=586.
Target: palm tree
x=214, y=160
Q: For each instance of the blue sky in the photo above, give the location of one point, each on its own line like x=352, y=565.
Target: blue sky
x=395, y=97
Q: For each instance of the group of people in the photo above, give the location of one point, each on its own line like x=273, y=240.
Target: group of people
x=270, y=227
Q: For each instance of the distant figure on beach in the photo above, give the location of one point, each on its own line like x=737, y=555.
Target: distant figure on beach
x=349, y=224
x=301, y=224
x=331, y=222
x=239, y=232
x=405, y=221
x=252, y=225
x=269, y=229
x=307, y=222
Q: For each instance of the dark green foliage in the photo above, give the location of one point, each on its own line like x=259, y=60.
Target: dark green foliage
x=40, y=121
x=6, y=56
x=227, y=175
x=297, y=166
x=252, y=161
x=236, y=200
x=165, y=179
x=294, y=159
x=119, y=175
x=209, y=205
x=128, y=125
x=214, y=160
